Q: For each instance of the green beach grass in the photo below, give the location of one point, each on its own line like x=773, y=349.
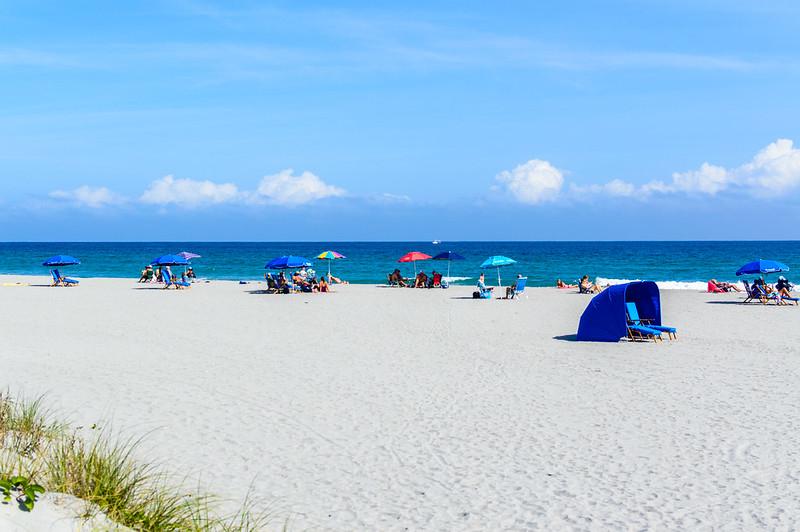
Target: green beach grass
x=102, y=471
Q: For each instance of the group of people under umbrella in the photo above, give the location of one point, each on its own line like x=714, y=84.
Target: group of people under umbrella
x=303, y=277
x=436, y=280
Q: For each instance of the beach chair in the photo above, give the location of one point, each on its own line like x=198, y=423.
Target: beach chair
x=635, y=320
x=59, y=280
x=272, y=284
x=754, y=293
x=173, y=281
x=519, y=288
x=639, y=332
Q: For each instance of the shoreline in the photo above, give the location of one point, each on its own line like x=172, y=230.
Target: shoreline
x=697, y=286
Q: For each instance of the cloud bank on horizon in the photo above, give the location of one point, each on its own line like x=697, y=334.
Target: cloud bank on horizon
x=773, y=171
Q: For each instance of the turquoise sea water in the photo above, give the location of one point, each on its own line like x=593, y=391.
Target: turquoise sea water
x=677, y=263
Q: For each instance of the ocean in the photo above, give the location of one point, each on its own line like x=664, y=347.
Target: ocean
x=686, y=265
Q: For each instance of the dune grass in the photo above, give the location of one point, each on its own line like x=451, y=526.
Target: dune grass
x=103, y=472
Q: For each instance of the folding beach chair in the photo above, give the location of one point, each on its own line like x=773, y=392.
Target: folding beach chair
x=59, y=280
x=635, y=320
x=754, y=293
x=272, y=284
x=519, y=288
x=639, y=332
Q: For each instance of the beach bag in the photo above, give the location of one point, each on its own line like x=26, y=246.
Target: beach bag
x=476, y=295
x=444, y=284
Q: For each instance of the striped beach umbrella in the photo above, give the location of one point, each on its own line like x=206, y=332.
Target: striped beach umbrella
x=330, y=256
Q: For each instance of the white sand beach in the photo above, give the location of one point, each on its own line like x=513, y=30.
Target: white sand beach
x=379, y=408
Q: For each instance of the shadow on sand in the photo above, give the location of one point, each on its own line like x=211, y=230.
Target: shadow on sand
x=567, y=337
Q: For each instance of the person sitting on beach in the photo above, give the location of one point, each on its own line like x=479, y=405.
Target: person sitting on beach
x=322, y=285
x=484, y=290
x=159, y=275
x=166, y=273
x=190, y=273
x=421, y=280
x=511, y=289
x=783, y=287
x=761, y=287
x=396, y=278
x=298, y=279
x=562, y=284
x=435, y=280
x=147, y=274
x=283, y=282
x=588, y=287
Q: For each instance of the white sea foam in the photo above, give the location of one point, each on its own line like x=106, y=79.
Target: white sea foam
x=454, y=279
x=701, y=286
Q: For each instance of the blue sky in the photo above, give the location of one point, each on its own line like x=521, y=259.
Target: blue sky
x=183, y=120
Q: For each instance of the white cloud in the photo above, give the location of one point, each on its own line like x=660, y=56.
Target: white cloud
x=189, y=192
x=615, y=187
x=772, y=171
x=285, y=188
x=533, y=182
x=86, y=196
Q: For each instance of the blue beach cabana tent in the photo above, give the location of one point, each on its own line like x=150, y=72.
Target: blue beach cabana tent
x=605, y=319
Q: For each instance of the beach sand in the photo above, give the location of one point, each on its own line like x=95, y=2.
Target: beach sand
x=379, y=408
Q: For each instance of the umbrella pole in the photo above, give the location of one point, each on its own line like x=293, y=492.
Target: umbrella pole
x=498, y=277
x=329, y=269
x=448, y=269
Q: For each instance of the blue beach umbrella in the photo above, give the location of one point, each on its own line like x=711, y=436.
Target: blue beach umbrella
x=169, y=260
x=61, y=260
x=762, y=267
x=448, y=256
x=287, y=262
x=497, y=261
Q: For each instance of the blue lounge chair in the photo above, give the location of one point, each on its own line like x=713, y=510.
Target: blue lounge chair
x=59, y=280
x=638, y=332
x=519, y=288
x=173, y=281
x=635, y=320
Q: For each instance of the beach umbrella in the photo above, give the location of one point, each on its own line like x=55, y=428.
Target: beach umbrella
x=448, y=256
x=762, y=267
x=497, y=261
x=330, y=256
x=61, y=260
x=287, y=262
x=188, y=255
x=414, y=256
x=169, y=260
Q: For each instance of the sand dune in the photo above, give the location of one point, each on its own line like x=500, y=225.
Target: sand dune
x=391, y=409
